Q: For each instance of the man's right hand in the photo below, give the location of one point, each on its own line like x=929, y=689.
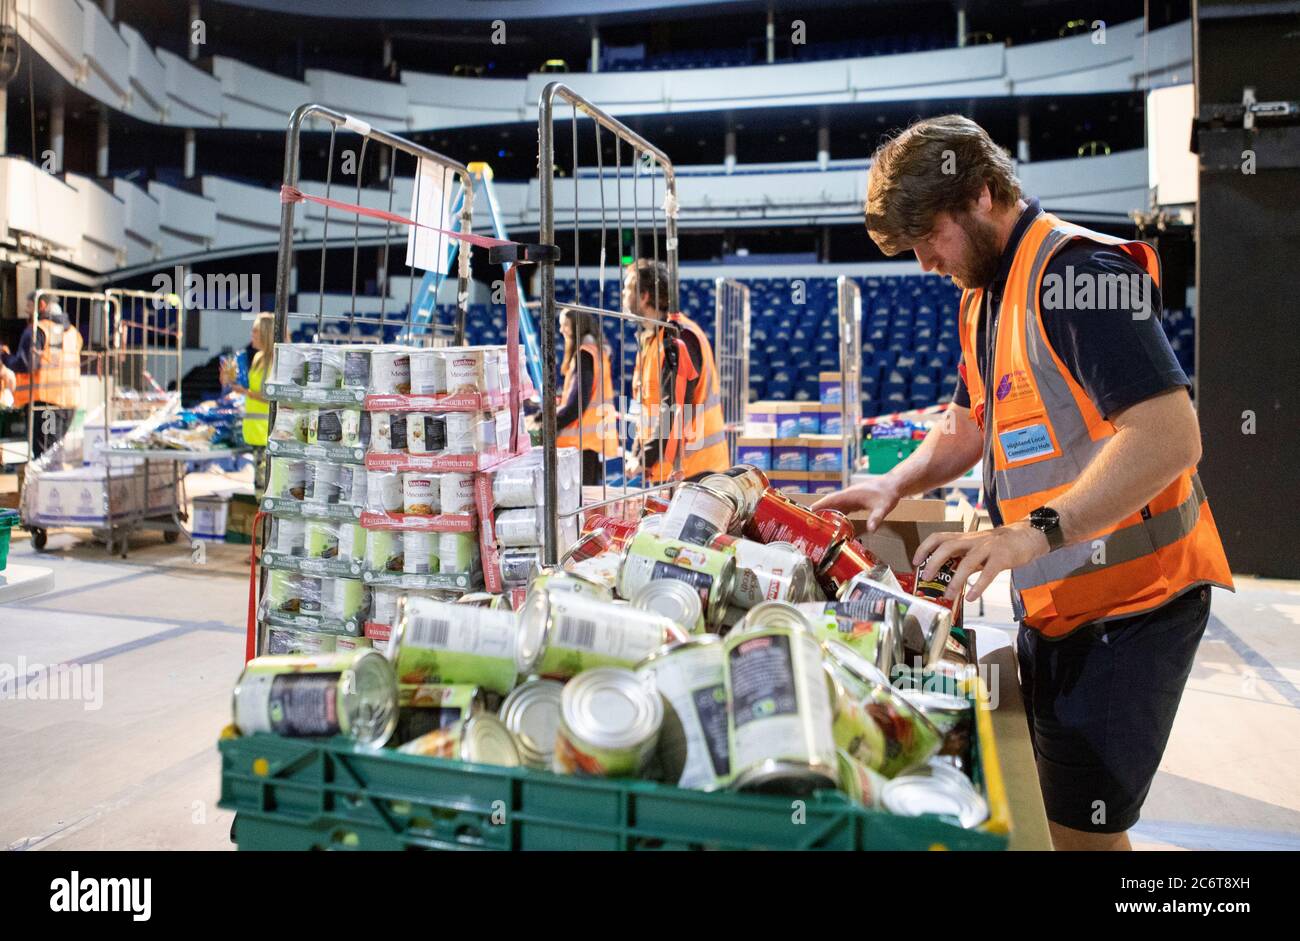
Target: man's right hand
x=875, y=497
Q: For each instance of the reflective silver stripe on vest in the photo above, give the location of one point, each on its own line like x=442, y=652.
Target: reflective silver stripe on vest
x=1123, y=545
x=1077, y=446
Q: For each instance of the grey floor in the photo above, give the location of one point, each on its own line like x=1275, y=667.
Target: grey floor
x=158, y=640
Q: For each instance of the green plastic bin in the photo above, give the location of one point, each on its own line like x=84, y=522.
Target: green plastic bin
x=301, y=794
x=8, y=520
x=884, y=454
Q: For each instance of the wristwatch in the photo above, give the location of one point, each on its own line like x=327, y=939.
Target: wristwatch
x=1048, y=522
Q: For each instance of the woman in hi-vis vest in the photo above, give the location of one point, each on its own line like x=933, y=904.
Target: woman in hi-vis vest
x=257, y=410
x=588, y=416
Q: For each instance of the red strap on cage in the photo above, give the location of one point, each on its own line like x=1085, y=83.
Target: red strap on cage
x=250, y=640
x=518, y=441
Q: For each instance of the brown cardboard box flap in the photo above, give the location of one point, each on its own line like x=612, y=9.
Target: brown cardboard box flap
x=896, y=539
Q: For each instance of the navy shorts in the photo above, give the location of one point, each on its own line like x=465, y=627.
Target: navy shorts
x=1100, y=704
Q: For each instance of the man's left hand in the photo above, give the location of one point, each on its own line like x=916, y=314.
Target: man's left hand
x=989, y=552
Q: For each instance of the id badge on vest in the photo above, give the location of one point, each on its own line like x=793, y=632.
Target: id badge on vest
x=1020, y=423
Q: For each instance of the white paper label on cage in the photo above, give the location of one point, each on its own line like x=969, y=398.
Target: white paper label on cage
x=430, y=198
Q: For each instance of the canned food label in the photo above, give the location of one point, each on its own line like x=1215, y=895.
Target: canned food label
x=781, y=709
x=291, y=705
x=711, y=707
x=577, y=643
x=762, y=676
x=459, y=645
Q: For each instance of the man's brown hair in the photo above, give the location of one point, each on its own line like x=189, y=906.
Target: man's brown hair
x=652, y=278
x=936, y=165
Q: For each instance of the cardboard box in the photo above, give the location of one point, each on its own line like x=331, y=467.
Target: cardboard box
x=756, y=451
x=810, y=418
x=791, y=483
x=789, y=454
x=832, y=422
x=761, y=412
x=239, y=517
x=825, y=453
x=788, y=418
x=821, y=483
x=831, y=387
x=902, y=532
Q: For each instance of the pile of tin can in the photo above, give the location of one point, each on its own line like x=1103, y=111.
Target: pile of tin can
x=731, y=640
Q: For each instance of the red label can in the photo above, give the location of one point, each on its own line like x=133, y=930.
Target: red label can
x=618, y=530
x=778, y=519
x=848, y=559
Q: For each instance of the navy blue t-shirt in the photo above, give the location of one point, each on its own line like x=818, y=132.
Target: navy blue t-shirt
x=1117, y=358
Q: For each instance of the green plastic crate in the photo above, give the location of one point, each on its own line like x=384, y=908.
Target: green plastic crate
x=8, y=520
x=301, y=794
x=884, y=454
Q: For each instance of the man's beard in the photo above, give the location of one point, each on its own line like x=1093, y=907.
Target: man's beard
x=985, y=254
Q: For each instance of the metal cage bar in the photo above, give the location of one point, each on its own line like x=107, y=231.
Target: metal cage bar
x=849, y=305
x=640, y=147
x=731, y=345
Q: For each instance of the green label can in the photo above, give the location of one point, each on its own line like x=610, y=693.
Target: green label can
x=384, y=551
x=322, y=539
x=440, y=642
x=781, y=708
x=288, y=640
x=428, y=706
x=710, y=572
x=580, y=632
x=288, y=479
x=609, y=724
x=352, y=694
x=689, y=675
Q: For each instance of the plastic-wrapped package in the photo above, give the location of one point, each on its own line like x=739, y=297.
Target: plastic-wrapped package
x=387, y=432
x=457, y=493
x=390, y=371
x=324, y=367
x=384, y=492
x=457, y=552
x=290, y=364
x=346, y=426
x=519, y=527
x=426, y=433
x=289, y=535
x=420, y=553
x=356, y=365
x=428, y=372
x=291, y=424
x=288, y=479
x=421, y=494
x=384, y=551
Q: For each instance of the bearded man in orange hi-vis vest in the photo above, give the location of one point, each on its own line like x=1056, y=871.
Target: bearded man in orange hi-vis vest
x=677, y=398
x=45, y=371
x=1071, y=396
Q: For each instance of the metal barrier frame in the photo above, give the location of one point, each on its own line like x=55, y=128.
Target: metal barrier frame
x=731, y=349
x=546, y=163
x=849, y=297
x=396, y=144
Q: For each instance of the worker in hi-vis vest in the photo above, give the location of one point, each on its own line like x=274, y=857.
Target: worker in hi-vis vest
x=257, y=408
x=674, y=367
x=588, y=414
x=1073, y=400
x=45, y=371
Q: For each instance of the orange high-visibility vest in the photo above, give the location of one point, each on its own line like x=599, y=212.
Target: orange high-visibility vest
x=699, y=432
x=599, y=420
x=1041, y=430
x=56, y=379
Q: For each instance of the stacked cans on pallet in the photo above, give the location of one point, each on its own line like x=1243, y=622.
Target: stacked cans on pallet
x=731, y=640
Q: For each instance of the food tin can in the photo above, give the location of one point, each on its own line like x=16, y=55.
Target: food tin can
x=925, y=625
x=348, y=642
x=324, y=367
x=870, y=628
x=352, y=484
x=654, y=523
x=290, y=364
x=323, y=482
x=947, y=795
x=387, y=432
x=519, y=565
x=873, y=723
x=698, y=513
x=673, y=599
x=461, y=430
x=420, y=494
x=655, y=503
x=748, y=483
x=457, y=552
x=383, y=605
x=424, y=707
x=384, y=492
x=521, y=527
x=291, y=424
x=532, y=713
x=776, y=518
x=953, y=716
x=284, y=593
x=390, y=372
x=426, y=433
x=441, y=642
x=466, y=370
x=290, y=535
x=609, y=724
x=618, y=530
x=480, y=740
x=288, y=640
x=845, y=562
x=288, y=479
x=580, y=632
x=343, y=599
x=693, y=747
x=322, y=539
x=862, y=784
x=352, y=694
x=346, y=426
x=457, y=493
x=384, y=552
x=420, y=555
x=933, y=588
x=588, y=546
x=356, y=366
x=779, y=724
x=773, y=572
x=428, y=372
x=516, y=485
x=577, y=582
x=649, y=557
